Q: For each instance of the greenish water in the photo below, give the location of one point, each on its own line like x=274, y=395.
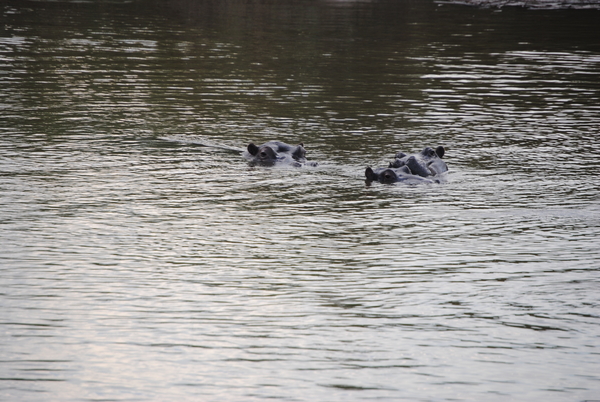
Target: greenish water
x=136, y=264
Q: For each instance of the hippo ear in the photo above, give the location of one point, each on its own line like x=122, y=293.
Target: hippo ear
x=299, y=152
x=370, y=175
x=253, y=149
x=440, y=151
x=301, y=144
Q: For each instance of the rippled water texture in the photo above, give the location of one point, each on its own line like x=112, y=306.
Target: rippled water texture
x=137, y=263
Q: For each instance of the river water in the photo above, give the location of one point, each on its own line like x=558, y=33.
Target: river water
x=138, y=265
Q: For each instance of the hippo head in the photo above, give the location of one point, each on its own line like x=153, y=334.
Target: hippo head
x=387, y=176
x=426, y=163
x=428, y=152
x=434, y=161
x=264, y=155
x=279, y=152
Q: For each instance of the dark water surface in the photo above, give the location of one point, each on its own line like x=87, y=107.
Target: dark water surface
x=137, y=265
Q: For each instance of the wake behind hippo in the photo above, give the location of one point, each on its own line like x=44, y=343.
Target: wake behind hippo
x=277, y=153
x=423, y=167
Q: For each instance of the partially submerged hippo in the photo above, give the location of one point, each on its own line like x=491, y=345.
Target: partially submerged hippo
x=276, y=152
x=425, y=163
x=423, y=167
x=391, y=175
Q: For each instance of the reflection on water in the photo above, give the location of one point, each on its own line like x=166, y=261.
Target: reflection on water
x=139, y=265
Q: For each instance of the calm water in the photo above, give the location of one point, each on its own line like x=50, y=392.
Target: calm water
x=137, y=265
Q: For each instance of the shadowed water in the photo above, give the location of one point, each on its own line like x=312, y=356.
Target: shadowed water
x=137, y=263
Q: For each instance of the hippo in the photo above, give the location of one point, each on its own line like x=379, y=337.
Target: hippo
x=277, y=152
x=391, y=175
x=426, y=163
x=423, y=167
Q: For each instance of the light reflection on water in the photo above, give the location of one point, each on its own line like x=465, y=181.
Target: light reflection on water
x=137, y=264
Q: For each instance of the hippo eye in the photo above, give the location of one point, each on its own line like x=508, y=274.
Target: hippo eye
x=263, y=154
